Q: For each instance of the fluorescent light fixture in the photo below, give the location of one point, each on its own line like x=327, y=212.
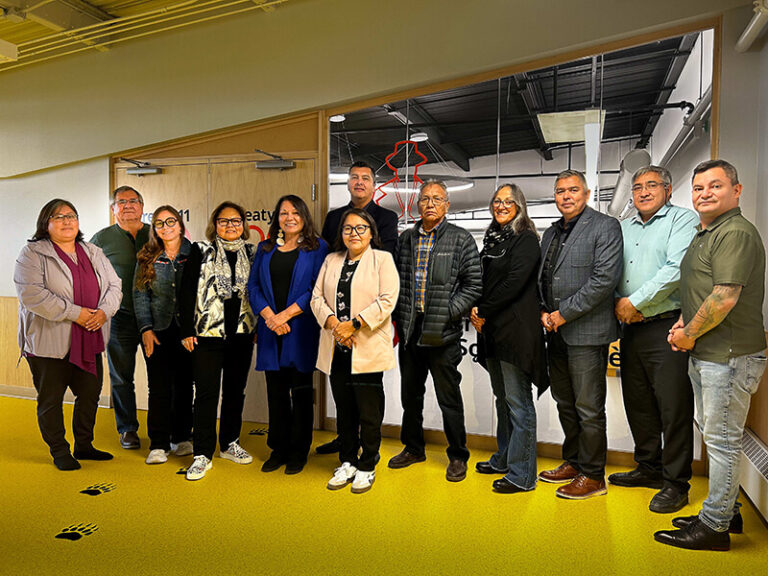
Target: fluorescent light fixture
x=559, y=127
x=459, y=185
x=399, y=116
x=336, y=118
x=419, y=137
x=8, y=52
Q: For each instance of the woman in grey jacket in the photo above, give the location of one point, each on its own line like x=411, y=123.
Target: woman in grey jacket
x=67, y=292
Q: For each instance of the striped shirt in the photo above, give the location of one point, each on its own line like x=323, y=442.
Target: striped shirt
x=423, y=250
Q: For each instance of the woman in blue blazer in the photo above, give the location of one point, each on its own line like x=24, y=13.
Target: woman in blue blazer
x=280, y=286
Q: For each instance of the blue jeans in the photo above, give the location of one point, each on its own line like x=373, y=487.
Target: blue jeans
x=123, y=342
x=723, y=393
x=516, y=426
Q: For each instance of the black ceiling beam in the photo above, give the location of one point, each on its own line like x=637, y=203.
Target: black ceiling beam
x=533, y=100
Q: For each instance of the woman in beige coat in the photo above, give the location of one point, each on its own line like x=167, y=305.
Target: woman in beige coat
x=353, y=300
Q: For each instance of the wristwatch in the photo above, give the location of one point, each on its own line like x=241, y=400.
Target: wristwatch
x=356, y=324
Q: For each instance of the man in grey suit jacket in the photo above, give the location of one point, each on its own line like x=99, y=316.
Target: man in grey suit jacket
x=581, y=258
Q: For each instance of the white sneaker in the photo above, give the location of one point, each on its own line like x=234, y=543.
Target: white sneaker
x=199, y=467
x=236, y=453
x=157, y=456
x=182, y=448
x=342, y=476
x=363, y=481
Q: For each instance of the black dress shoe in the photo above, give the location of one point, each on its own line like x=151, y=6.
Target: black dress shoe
x=696, y=536
x=331, y=447
x=668, y=500
x=130, y=440
x=736, y=526
x=91, y=453
x=272, y=463
x=637, y=478
x=405, y=459
x=295, y=467
x=456, y=471
x=506, y=487
x=486, y=468
x=66, y=462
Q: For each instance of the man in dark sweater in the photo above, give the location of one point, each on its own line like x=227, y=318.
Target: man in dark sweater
x=361, y=185
x=120, y=243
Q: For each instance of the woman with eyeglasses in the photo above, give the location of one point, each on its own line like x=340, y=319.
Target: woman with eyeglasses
x=218, y=325
x=280, y=287
x=156, y=291
x=510, y=338
x=67, y=293
x=353, y=300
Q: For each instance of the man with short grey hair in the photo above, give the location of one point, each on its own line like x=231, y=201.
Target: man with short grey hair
x=120, y=243
x=658, y=397
x=440, y=279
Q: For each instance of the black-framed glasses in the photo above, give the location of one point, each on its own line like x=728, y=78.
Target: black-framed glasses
x=507, y=202
x=360, y=229
x=224, y=222
x=131, y=201
x=651, y=186
x=170, y=222
x=60, y=218
x=436, y=201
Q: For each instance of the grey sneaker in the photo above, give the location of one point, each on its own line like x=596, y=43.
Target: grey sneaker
x=199, y=467
x=157, y=456
x=182, y=448
x=236, y=453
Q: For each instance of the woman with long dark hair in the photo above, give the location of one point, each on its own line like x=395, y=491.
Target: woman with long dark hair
x=217, y=323
x=280, y=287
x=156, y=292
x=510, y=338
x=353, y=300
x=67, y=293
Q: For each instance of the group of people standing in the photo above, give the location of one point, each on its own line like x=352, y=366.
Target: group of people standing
x=684, y=293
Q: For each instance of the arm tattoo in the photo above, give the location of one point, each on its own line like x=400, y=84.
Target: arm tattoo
x=713, y=310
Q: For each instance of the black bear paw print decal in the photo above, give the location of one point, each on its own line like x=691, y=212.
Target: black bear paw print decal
x=77, y=531
x=96, y=489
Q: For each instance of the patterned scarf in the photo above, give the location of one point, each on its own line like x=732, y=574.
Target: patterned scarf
x=224, y=272
x=496, y=235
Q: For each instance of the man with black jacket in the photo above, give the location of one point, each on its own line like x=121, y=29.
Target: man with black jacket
x=440, y=279
x=361, y=185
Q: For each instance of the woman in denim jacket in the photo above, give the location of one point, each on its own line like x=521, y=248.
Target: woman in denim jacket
x=157, y=284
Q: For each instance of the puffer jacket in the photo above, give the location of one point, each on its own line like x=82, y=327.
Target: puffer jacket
x=46, y=308
x=454, y=283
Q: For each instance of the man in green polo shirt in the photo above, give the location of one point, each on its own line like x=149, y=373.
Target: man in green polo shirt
x=120, y=243
x=722, y=287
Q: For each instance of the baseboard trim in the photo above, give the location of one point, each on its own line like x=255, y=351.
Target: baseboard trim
x=31, y=394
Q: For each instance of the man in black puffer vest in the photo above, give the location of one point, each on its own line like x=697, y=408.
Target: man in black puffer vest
x=440, y=280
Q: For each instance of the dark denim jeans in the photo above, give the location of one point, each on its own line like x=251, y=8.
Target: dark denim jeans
x=577, y=375
x=123, y=343
x=516, y=424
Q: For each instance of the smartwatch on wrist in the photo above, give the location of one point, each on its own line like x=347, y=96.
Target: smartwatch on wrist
x=356, y=324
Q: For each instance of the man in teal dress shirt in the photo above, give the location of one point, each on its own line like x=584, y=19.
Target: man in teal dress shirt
x=657, y=392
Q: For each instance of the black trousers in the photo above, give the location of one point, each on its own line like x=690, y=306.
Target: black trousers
x=359, y=414
x=291, y=413
x=221, y=368
x=577, y=382
x=658, y=399
x=442, y=362
x=52, y=377
x=169, y=373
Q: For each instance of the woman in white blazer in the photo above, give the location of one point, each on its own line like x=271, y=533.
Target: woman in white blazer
x=353, y=300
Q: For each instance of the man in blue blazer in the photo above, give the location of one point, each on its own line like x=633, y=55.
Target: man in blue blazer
x=581, y=256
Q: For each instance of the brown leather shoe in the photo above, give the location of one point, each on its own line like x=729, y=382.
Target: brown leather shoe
x=456, y=471
x=582, y=488
x=405, y=459
x=563, y=473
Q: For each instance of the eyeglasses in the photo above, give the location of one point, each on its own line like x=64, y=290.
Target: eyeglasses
x=359, y=229
x=61, y=218
x=437, y=202
x=651, y=186
x=131, y=201
x=160, y=224
x=224, y=222
x=508, y=203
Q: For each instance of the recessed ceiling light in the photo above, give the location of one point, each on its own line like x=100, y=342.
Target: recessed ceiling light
x=336, y=118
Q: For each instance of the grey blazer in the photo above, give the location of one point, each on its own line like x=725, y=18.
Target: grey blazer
x=586, y=273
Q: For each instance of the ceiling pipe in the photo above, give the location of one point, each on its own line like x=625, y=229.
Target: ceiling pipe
x=755, y=26
x=632, y=162
x=688, y=124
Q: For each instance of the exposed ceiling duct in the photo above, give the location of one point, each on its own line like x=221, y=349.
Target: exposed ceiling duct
x=622, y=192
x=755, y=26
